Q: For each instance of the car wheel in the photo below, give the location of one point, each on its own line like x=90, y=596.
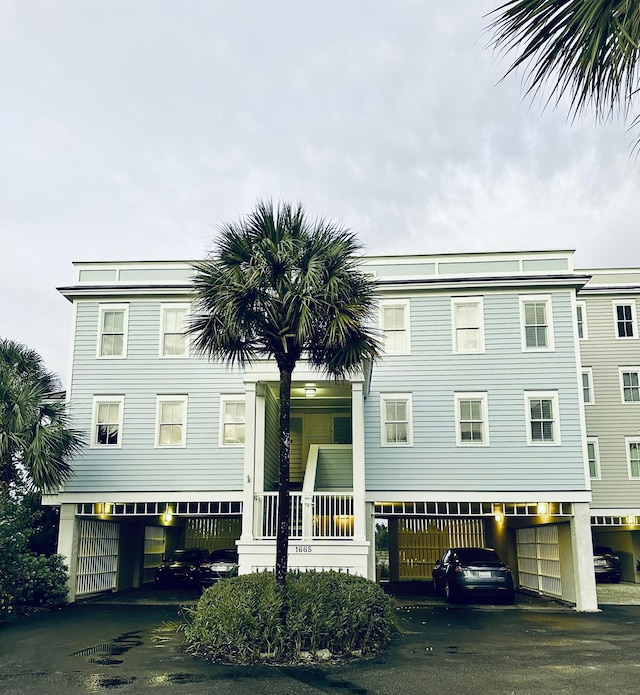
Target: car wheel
x=448, y=592
x=615, y=580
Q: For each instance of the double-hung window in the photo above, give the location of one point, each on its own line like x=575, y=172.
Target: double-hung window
x=394, y=318
x=543, y=426
x=232, y=421
x=593, y=455
x=173, y=342
x=624, y=316
x=471, y=419
x=581, y=312
x=171, y=421
x=633, y=456
x=630, y=384
x=468, y=324
x=106, y=429
x=587, y=386
x=537, y=322
x=396, y=419
x=112, y=330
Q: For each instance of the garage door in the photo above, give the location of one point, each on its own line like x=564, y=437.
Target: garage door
x=97, y=556
x=539, y=559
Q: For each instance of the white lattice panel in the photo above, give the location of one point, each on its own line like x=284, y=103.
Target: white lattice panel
x=97, y=561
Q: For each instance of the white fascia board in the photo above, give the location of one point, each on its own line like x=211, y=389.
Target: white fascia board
x=522, y=496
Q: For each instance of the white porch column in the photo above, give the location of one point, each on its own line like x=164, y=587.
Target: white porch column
x=248, y=484
x=357, y=423
x=68, y=544
x=582, y=548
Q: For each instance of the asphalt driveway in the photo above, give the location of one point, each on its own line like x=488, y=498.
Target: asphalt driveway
x=530, y=648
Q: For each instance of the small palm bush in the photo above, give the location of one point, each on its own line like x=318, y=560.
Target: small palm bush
x=238, y=620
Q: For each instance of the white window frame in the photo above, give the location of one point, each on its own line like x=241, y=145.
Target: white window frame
x=460, y=301
x=164, y=308
x=104, y=308
x=162, y=400
x=384, y=397
x=627, y=444
x=588, y=371
x=634, y=320
x=224, y=400
x=538, y=299
x=582, y=308
x=596, y=451
x=481, y=396
x=547, y=396
x=106, y=400
x=406, y=307
x=621, y=372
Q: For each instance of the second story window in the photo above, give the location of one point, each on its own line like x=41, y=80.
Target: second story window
x=233, y=422
x=587, y=388
x=593, y=454
x=468, y=324
x=107, y=421
x=395, y=327
x=396, y=419
x=535, y=313
x=630, y=384
x=625, y=319
x=471, y=419
x=112, y=336
x=633, y=456
x=542, y=413
x=171, y=421
x=173, y=342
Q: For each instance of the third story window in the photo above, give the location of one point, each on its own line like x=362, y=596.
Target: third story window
x=625, y=319
x=112, y=339
x=395, y=328
x=468, y=324
x=633, y=456
x=535, y=314
x=174, y=343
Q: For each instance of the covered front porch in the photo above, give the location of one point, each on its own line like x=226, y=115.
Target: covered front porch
x=329, y=524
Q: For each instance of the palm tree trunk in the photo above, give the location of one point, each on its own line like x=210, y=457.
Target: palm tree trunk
x=282, y=534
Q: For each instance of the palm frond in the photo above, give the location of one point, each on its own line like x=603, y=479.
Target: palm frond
x=586, y=49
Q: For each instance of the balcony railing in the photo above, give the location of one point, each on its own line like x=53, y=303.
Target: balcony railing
x=314, y=516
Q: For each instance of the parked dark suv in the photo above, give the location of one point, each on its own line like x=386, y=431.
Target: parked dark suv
x=181, y=567
x=473, y=572
x=606, y=564
x=221, y=564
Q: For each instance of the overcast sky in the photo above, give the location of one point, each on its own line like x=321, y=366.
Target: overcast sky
x=130, y=129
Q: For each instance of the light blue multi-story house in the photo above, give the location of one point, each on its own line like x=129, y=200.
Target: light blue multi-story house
x=469, y=431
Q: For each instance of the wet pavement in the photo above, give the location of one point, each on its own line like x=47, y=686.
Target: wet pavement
x=125, y=644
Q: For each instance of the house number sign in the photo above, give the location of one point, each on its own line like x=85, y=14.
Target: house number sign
x=303, y=548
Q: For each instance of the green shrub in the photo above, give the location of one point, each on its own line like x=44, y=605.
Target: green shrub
x=238, y=620
x=29, y=582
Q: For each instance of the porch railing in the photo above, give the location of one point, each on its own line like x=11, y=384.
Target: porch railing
x=314, y=516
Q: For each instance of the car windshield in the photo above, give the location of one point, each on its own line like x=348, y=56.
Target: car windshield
x=602, y=550
x=184, y=556
x=471, y=555
x=223, y=556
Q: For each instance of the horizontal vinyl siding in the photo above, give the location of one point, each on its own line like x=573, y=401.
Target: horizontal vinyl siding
x=608, y=418
x=140, y=377
x=432, y=374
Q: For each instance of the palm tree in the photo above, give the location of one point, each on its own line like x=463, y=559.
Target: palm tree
x=280, y=286
x=36, y=442
x=589, y=49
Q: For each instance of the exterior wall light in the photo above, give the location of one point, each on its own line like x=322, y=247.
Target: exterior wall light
x=542, y=508
x=309, y=390
x=168, y=515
